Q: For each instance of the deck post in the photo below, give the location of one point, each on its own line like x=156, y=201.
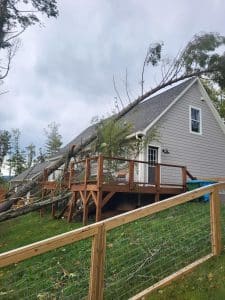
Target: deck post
x=99, y=186
x=184, y=178
x=215, y=222
x=99, y=206
x=96, y=283
x=71, y=174
x=100, y=171
x=53, y=204
x=85, y=209
x=69, y=217
x=71, y=207
x=131, y=174
x=157, y=182
x=87, y=171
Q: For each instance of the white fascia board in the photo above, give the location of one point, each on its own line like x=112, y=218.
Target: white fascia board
x=211, y=106
x=168, y=107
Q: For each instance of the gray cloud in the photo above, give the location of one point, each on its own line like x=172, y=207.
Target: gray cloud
x=63, y=72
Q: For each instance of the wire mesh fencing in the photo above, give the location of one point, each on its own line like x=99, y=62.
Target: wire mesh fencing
x=140, y=248
x=222, y=214
x=143, y=252
x=59, y=274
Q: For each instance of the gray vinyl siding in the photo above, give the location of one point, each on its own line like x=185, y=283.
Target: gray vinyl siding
x=204, y=155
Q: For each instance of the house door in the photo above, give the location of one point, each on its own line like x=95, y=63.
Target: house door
x=153, y=160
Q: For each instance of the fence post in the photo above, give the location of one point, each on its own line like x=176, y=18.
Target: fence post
x=215, y=222
x=96, y=286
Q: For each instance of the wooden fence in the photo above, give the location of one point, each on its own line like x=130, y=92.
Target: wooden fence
x=98, y=232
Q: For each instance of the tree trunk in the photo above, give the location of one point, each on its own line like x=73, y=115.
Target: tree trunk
x=75, y=150
x=13, y=213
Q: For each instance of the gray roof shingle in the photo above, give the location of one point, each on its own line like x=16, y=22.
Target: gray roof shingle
x=146, y=112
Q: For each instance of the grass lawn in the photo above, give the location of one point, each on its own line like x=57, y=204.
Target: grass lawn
x=31, y=228
x=138, y=255
x=207, y=282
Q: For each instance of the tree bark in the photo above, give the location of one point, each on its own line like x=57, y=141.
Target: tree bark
x=13, y=213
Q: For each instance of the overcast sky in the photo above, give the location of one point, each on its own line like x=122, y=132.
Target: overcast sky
x=63, y=71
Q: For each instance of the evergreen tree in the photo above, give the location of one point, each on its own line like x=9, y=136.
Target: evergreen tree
x=4, y=145
x=40, y=157
x=54, y=139
x=17, y=160
x=112, y=138
x=30, y=154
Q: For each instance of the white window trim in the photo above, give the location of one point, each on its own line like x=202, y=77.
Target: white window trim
x=156, y=145
x=200, y=111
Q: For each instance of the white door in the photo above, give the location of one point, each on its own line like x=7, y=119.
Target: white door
x=153, y=159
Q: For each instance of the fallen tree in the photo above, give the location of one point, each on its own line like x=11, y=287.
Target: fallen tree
x=14, y=213
x=198, y=58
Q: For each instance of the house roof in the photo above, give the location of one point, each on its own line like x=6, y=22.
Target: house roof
x=140, y=117
x=146, y=112
x=32, y=172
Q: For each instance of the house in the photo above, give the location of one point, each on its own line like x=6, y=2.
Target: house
x=190, y=133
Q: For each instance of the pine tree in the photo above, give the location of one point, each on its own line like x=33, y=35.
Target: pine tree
x=30, y=154
x=4, y=145
x=17, y=160
x=41, y=156
x=54, y=139
x=112, y=138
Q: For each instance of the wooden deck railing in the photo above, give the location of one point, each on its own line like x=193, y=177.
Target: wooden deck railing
x=98, y=232
x=102, y=169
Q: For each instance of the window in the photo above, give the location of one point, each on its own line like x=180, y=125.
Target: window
x=195, y=120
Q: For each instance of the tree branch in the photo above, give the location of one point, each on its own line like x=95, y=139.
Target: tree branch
x=126, y=85
x=117, y=92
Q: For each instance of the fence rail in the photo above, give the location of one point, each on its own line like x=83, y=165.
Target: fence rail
x=100, y=231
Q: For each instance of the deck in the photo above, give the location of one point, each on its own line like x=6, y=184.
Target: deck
x=99, y=179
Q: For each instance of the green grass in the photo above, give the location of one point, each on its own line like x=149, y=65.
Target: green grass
x=31, y=228
x=138, y=255
x=207, y=282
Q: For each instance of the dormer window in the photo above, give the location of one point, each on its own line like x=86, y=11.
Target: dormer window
x=195, y=120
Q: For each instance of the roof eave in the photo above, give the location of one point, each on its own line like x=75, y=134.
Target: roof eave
x=145, y=130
